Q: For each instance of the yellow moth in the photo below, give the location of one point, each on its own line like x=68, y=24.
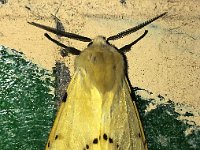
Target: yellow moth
x=98, y=113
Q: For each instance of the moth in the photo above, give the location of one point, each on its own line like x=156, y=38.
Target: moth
x=98, y=112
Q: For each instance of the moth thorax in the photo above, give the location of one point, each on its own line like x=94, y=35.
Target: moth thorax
x=99, y=40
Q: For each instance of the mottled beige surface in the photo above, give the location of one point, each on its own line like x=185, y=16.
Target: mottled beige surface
x=166, y=61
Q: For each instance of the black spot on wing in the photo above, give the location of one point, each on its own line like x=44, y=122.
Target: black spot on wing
x=48, y=144
x=105, y=137
x=110, y=140
x=87, y=146
x=56, y=137
x=64, y=97
x=95, y=141
x=139, y=135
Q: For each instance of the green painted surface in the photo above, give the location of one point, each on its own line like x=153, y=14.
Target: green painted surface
x=27, y=110
x=163, y=129
x=26, y=105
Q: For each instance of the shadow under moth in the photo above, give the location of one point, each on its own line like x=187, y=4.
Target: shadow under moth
x=98, y=112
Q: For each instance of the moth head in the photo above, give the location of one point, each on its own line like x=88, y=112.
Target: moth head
x=98, y=39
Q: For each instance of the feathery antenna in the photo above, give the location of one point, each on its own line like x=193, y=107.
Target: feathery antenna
x=134, y=29
x=62, y=33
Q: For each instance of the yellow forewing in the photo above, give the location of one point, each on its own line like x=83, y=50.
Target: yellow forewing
x=99, y=113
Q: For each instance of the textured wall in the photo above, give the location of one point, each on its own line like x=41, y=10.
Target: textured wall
x=166, y=62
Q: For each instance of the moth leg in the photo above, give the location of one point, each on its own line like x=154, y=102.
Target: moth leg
x=127, y=48
x=137, y=89
x=69, y=49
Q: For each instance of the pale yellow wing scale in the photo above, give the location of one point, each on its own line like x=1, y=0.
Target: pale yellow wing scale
x=99, y=113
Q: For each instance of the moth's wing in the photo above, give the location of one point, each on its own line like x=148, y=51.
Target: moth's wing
x=52, y=135
x=136, y=129
x=77, y=123
x=121, y=123
x=89, y=121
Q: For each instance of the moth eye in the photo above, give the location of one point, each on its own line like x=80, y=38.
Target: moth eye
x=95, y=141
x=110, y=140
x=105, y=137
